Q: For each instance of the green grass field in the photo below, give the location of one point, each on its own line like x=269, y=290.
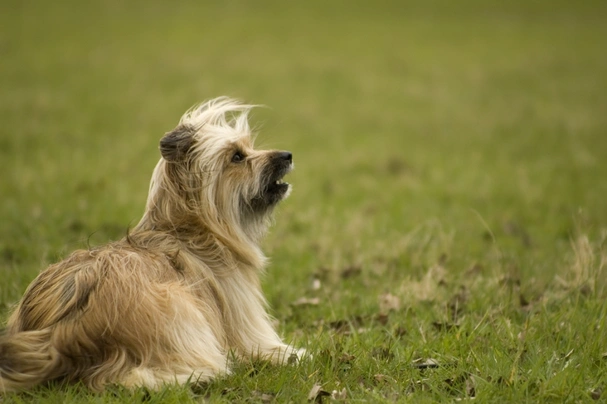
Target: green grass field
x=450, y=189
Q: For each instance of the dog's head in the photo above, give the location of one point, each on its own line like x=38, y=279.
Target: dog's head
x=210, y=169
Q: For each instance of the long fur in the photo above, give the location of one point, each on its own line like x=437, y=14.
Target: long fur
x=180, y=294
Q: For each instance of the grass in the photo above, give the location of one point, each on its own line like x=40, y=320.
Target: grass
x=449, y=191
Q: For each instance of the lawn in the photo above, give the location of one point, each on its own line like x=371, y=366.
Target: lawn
x=446, y=237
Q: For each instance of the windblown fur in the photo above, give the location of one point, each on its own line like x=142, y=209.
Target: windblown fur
x=180, y=294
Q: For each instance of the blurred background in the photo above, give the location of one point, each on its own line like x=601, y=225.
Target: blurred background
x=437, y=126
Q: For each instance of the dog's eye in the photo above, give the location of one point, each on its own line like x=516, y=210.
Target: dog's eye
x=237, y=157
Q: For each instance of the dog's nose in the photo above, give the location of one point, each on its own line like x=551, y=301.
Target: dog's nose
x=285, y=155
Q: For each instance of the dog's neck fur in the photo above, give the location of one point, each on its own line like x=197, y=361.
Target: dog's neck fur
x=206, y=236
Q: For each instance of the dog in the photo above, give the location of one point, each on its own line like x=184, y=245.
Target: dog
x=179, y=296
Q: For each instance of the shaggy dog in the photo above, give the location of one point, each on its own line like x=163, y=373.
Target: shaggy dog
x=180, y=294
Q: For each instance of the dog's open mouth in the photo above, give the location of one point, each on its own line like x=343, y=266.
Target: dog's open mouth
x=279, y=187
x=274, y=188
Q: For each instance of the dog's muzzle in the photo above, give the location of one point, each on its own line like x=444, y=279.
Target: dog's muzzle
x=273, y=188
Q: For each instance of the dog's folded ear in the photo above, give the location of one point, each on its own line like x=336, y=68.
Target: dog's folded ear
x=175, y=144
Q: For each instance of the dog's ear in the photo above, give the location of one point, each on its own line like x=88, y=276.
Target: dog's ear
x=175, y=144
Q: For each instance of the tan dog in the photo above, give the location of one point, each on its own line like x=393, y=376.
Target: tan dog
x=174, y=299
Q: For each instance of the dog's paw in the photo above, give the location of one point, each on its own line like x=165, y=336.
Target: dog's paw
x=296, y=355
x=286, y=354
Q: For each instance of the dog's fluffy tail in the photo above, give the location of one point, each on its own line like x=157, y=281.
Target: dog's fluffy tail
x=26, y=359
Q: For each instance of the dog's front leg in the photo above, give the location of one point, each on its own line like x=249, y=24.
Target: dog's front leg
x=253, y=335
